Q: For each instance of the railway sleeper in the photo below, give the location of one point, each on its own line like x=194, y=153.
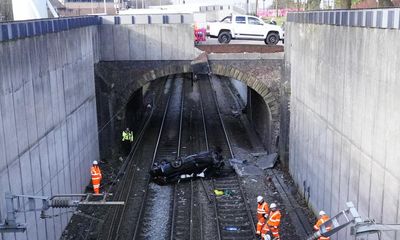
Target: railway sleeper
x=231, y=205
x=227, y=233
x=233, y=211
x=230, y=199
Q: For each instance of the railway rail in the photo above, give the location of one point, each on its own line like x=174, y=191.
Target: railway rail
x=183, y=202
x=167, y=147
x=127, y=171
x=293, y=209
x=233, y=216
x=119, y=226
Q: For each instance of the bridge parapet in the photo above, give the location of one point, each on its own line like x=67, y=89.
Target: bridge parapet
x=369, y=18
x=23, y=29
x=148, y=19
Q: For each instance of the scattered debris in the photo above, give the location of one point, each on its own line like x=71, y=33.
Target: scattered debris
x=259, y=154
x=232, y=228
x=267, y=161
x=226, y=192
x=235, y=113
x=237, y=161
x=246, y=170
x=218, y=192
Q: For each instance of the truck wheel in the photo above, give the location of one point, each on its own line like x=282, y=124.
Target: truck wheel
x=272, y=39
x=224, y=37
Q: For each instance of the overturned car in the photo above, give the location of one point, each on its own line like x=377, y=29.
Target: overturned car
x=203, y=164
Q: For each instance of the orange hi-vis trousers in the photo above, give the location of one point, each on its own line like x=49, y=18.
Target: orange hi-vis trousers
x=96, y=185
x=260, y=224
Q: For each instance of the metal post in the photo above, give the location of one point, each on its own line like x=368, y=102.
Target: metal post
x=105, y=7
x=10, y=218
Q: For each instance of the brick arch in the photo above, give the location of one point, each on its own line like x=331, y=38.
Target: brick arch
x=148, y=76
x=271, y=98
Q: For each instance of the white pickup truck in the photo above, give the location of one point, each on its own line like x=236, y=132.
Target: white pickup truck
x=245, y=27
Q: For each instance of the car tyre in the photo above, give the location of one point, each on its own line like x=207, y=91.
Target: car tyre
x=272, y=39
x=224, y=37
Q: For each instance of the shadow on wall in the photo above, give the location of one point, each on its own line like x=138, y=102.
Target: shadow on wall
x=147, y=42
x=260, y=116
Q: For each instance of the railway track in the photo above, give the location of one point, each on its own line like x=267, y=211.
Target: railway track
x=124, y=188
x=233, y=217
x=167, y=148
x=183, y=203
x=131, y=190
x=241, y=131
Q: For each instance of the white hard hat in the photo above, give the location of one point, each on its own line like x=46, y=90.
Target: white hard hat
x=95, y=162
x=322, y=213
x=273, y=205
x=259, y=199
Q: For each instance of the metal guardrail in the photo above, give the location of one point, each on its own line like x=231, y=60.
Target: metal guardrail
x=370, y=18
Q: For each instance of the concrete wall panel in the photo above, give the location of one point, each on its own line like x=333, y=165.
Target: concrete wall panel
x=26, y=173
x=36, y=174
x=44, y=81
x=3, y=159
x=39, y=106
x=107, y=42
x=137, y=42
x=347, y=91
x=155, y=41
x=121, y=43
x=31, y=220
x=30, y=112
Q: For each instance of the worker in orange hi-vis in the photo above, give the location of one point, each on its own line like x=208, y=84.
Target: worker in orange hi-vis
x=262, y=213
x=273, y=223
x=96, y=177
x=323, y=217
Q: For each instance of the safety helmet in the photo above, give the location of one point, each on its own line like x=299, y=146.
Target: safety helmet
x=272, y=206
x=259, y=199
x=321, y=213
x=95, y=162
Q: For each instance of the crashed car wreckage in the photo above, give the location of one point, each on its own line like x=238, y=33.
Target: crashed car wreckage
x=203, y=164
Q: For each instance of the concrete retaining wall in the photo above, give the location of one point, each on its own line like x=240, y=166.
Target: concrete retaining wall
x=48, y=125
x=344, y=130
x=147, y=42
x=241, y=88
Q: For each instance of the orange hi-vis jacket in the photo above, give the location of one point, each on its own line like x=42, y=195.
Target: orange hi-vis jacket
x=321, y=221
x=274, y=219
x=262, y=209
x=96, y=177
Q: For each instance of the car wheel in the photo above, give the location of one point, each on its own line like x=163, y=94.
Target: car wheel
x=272, y=39
x=224, y=37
